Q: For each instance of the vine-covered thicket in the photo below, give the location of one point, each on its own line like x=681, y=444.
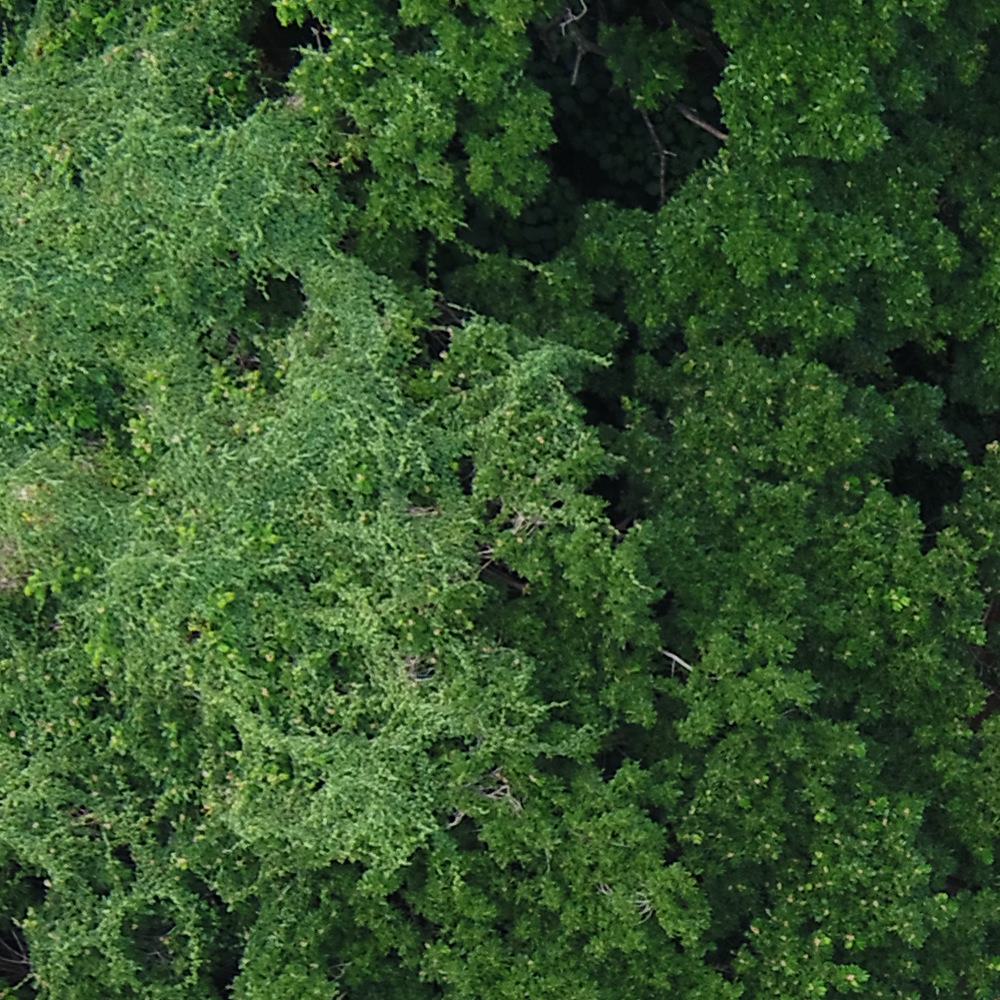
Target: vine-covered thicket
x=499, y=499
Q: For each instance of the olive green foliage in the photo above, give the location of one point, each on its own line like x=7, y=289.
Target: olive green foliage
x=499, y=499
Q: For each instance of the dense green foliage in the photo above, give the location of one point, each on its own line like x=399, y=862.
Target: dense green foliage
x=499, y=499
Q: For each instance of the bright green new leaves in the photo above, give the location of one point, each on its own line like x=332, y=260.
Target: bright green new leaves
x=806, y=81
x=248, y=598
x=402, y=94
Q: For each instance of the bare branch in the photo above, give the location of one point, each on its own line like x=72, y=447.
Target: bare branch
x=567, y=25
x=662, y=152
x=576, y=66
x=570, y=18
x=696, y=119
x=423, y=511
x=417, y=670
x=502, y=792
x=14, y=952
x=522, y=521
x=674, y=658
x=644, y=905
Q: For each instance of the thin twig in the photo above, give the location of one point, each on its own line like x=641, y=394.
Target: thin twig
x=570, y=18
x=696, y=119
x=644, y=905
x=16, y=954
x=662, y=152
x=318, y=37
x=502, y=792
x=567, y=25
x=583, y=46
x=522, y=521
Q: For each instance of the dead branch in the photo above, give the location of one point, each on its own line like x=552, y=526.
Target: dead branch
x=502, y=792
x=567, y=25
x=583, y=46
x=662, y=152
x=417, y=670
x=675, y=659
x=696, y=119
x=644, y=905
x=14, y=952
x=423, y=511
x=522, y=521
x=569, y=18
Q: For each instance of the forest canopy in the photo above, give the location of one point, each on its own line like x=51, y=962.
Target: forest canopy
x=499, y=499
